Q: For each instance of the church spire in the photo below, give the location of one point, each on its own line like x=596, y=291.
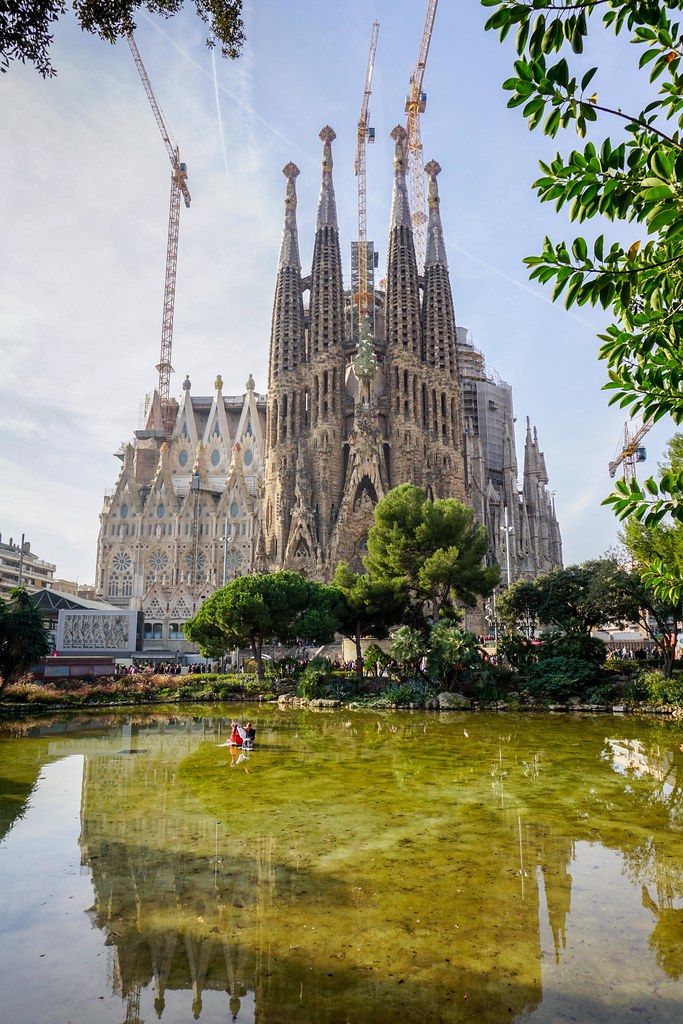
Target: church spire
x=287, y=330
x=436, y=249
x=327, y=205
x=403, y=296
x=400, y=207
x=289, y=249
x=438, y=316
x=327, y=290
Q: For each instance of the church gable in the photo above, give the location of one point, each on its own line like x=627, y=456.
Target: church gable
x=185, y=424
x=216, y=437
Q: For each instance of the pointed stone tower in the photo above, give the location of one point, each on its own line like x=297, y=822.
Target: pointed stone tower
x=288, y=391
x=407, y=393
x=327, y=360
x=444, y=393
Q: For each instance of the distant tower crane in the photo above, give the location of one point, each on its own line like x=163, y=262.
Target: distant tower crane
x=365, y=134
x=178, y=188
x=416, y=101
x=630, y=450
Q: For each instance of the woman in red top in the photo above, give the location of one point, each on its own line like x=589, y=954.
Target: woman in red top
x=235, y=738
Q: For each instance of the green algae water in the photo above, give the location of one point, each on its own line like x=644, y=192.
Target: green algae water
x=354, y=867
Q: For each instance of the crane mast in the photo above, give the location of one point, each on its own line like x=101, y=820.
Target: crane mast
x=416, y=101
x=630, y=451
x=178, y=188
x=364, y=135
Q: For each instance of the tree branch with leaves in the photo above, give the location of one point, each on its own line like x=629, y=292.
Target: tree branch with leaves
x=632, y=177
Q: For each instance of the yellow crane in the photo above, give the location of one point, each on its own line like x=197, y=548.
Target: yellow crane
x=365, y=134
x=178, y=188
x=416, y=102
x=630, y=450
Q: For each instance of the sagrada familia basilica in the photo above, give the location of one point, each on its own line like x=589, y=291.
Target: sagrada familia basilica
x=289, y=480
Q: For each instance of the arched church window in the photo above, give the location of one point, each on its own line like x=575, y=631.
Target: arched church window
x=215, y=457
x=124, y=511
x=182, y=458
x=248, y=457
x=161, y=510
x=234, y=510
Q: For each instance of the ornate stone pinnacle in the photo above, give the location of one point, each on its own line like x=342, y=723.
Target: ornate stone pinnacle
x=327, y=134
x=432, y=169
x=398, y=133
x=291, y=171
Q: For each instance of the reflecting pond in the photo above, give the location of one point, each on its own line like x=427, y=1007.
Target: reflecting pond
x=354, y=867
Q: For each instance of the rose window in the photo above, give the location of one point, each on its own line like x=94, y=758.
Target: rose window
x=158, y=561
x=122, y=562
x=233, y=560
x=201, y=562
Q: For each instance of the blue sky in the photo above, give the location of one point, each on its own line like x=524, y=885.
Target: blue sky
x=84, y=209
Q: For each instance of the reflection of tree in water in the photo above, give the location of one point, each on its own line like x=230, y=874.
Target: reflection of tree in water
x=201, y=887
x=666, y=939
x=651, y=844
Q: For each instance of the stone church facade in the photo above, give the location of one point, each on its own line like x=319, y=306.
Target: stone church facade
x=254, y=483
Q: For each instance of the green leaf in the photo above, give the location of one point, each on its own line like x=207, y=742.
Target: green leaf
x=587, y=78
x=652, y=195
x=580, y=249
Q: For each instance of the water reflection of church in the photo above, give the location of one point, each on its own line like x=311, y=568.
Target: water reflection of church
x=189, y=908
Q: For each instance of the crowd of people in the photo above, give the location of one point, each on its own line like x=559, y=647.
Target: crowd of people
x=631, y=653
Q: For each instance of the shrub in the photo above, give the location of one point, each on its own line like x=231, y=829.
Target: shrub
x=399, y=693
x=518, y=650
x=311, y=685
x=451, y=651
x=560, y=678
x=654, y=688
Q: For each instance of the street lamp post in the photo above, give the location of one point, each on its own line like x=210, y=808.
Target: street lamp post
x=225, y=551
x=507, y=530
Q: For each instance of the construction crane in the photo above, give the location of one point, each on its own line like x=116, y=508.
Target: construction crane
x=178, y=188
x=630, y=450
x=365, y=134
x=416, y=101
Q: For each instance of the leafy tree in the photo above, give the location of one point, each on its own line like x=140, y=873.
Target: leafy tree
x=658, y=546
x=660, y=605
x=368, y=607
x=433, y=551
x=376, y=660
x=634, y=177
x=517, y=607
x=577, y=599
x=251, y=610
x=25, y=25
x=24, y=639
